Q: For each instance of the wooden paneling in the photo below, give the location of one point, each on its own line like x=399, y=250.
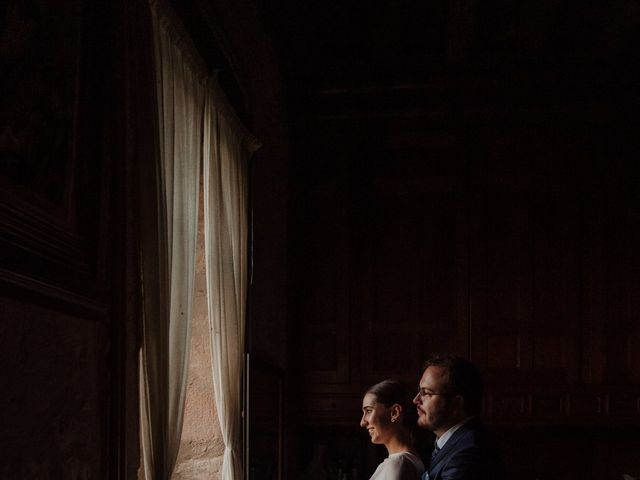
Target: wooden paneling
x=48, y=236
x=494, y=212
x=322, y=248
x=507, y=251
x=68, y=271
x=622, y=285
x=265, y=420
x=408, y=279
x=381, y=257
x=55, y=369
x=525, y=292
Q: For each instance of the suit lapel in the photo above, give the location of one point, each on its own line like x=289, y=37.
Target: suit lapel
x=449, y=446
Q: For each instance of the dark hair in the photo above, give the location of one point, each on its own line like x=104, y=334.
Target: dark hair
x=389, y=392
x=464, y=379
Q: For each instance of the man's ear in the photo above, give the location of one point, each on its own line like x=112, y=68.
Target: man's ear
x=458, y=404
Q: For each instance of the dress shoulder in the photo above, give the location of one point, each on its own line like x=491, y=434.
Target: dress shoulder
x=403, y=466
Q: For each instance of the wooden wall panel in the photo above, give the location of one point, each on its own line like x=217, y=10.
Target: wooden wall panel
x=588, y=405
x=321, y=272
x=525, y=270
x=622, y=285
x=68, y=271
x=527, y=172
x=55, y=407
x=408, y=291
x=510, y=251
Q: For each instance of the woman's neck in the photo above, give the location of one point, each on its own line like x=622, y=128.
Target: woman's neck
x=399, y=443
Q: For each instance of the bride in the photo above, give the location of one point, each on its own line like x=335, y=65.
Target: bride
x=388, y=415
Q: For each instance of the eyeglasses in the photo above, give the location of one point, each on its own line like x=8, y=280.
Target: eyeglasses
x=423, y=392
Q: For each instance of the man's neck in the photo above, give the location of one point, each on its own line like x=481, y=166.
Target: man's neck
x=444, y=429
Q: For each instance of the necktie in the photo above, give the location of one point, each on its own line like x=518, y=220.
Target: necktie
x=436, y=449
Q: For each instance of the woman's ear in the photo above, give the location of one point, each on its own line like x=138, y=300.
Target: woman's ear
x=396, y=410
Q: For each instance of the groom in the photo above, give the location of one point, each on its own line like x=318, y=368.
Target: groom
x=449, y=401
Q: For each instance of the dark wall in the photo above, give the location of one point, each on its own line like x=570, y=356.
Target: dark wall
x=507, y=240
x=77, y=133
x=490, y=214
x=68, y=297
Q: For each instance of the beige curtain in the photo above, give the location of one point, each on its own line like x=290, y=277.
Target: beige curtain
x=227, y=148
x=168, y=247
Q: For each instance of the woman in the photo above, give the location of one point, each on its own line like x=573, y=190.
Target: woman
x=388, y=415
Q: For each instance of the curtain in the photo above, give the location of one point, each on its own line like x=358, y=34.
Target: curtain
x=169, y=222
x=227, y=148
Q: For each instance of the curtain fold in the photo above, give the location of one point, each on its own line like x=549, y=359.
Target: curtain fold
x=227, y=148
x=196, y=125
x=168, y=247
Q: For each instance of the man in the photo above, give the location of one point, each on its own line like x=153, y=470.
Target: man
x=449, y=402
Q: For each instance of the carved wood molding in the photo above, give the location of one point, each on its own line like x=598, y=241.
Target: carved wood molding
x=530, y=405
x=42, y=229
x=597, y=405
x=54, y=296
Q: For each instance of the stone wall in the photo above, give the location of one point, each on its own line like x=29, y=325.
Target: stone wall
x=201, y=448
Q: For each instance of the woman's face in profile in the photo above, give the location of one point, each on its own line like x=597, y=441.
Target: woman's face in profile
x=376, y=418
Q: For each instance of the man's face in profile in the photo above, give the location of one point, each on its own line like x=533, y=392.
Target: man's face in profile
x=433, y=401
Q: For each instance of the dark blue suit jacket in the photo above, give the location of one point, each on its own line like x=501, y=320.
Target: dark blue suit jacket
x=467, y=455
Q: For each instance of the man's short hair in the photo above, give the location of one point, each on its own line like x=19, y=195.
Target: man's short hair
x=464, y=379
